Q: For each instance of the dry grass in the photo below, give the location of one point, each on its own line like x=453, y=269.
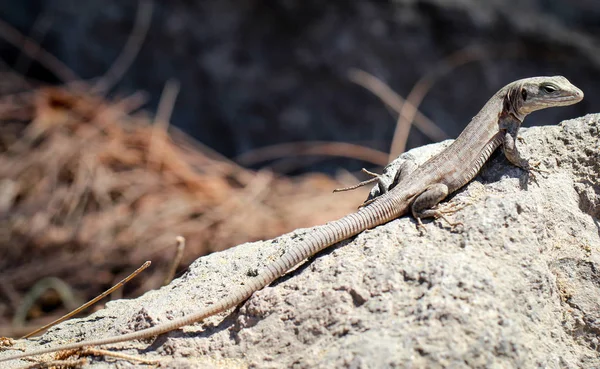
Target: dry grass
x=89, y=191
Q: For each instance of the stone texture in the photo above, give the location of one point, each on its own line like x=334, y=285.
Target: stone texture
x=516, y=286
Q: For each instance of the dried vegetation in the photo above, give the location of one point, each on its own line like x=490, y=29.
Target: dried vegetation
x=90, y=189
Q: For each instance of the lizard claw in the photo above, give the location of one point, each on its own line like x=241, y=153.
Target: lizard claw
x=451, y=224
x=453, y=207
x=423, y=230
x=421, y=226
x=535, y=166
x=442, y=211
x=532, y=168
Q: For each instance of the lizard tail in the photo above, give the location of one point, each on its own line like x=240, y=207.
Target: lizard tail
x=377, y=213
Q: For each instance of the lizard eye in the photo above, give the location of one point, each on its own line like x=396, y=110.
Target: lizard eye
x=524, y=94
x=548, y=89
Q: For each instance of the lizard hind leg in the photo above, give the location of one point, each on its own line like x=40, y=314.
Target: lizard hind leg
x=400, y=169
x=374, y=178
x=424, y=205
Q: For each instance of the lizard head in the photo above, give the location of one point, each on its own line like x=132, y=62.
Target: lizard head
x=531, y=94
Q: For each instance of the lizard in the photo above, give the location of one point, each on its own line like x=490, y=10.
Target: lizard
x=415, y=189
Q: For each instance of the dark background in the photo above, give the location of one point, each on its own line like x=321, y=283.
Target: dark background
x=256, y=73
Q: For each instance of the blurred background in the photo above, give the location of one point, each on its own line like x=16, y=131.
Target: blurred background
x=124, y=124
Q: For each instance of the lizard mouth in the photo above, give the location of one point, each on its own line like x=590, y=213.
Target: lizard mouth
x=573, y=97
x=577, y=95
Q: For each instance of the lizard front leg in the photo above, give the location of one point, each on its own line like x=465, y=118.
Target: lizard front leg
x=512, y=153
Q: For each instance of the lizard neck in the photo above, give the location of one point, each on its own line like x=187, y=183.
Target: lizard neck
x=508, y=120
x=512, y=104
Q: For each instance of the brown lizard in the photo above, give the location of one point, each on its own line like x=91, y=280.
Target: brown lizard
x=418, y=190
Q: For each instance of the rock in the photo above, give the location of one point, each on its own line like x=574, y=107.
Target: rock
x=517, y=286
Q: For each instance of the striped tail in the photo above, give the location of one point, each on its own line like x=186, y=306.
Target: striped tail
x=381, y=211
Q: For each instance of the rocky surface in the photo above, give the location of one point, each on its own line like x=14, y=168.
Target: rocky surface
x=516, y=286
x=256, y=73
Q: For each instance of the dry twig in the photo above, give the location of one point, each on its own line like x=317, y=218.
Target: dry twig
x=91, y=302
x=396, y=102
x=36, y=52
x=40, y=28
x=176, y=260
x=340, y=149
x=56, y=364
x=130, y=50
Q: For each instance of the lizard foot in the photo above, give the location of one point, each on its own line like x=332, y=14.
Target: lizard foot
x=421, y=226
x=451, y=224
x=423, y=230
x=449, y=209
x=533, y=168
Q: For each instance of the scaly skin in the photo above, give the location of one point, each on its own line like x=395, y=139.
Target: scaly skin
x=419, y=191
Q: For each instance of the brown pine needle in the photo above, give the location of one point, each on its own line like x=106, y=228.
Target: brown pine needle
x=341, y=149
x=130, y=50
x=161, y=122
x=118, y=355
x=39, y=288
x=91, y=302
x=40, y=28
x=28, y=46
x=396, y=102
x=9, y=291
x=92, y=351
x=62, y=364
x=176, y=260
